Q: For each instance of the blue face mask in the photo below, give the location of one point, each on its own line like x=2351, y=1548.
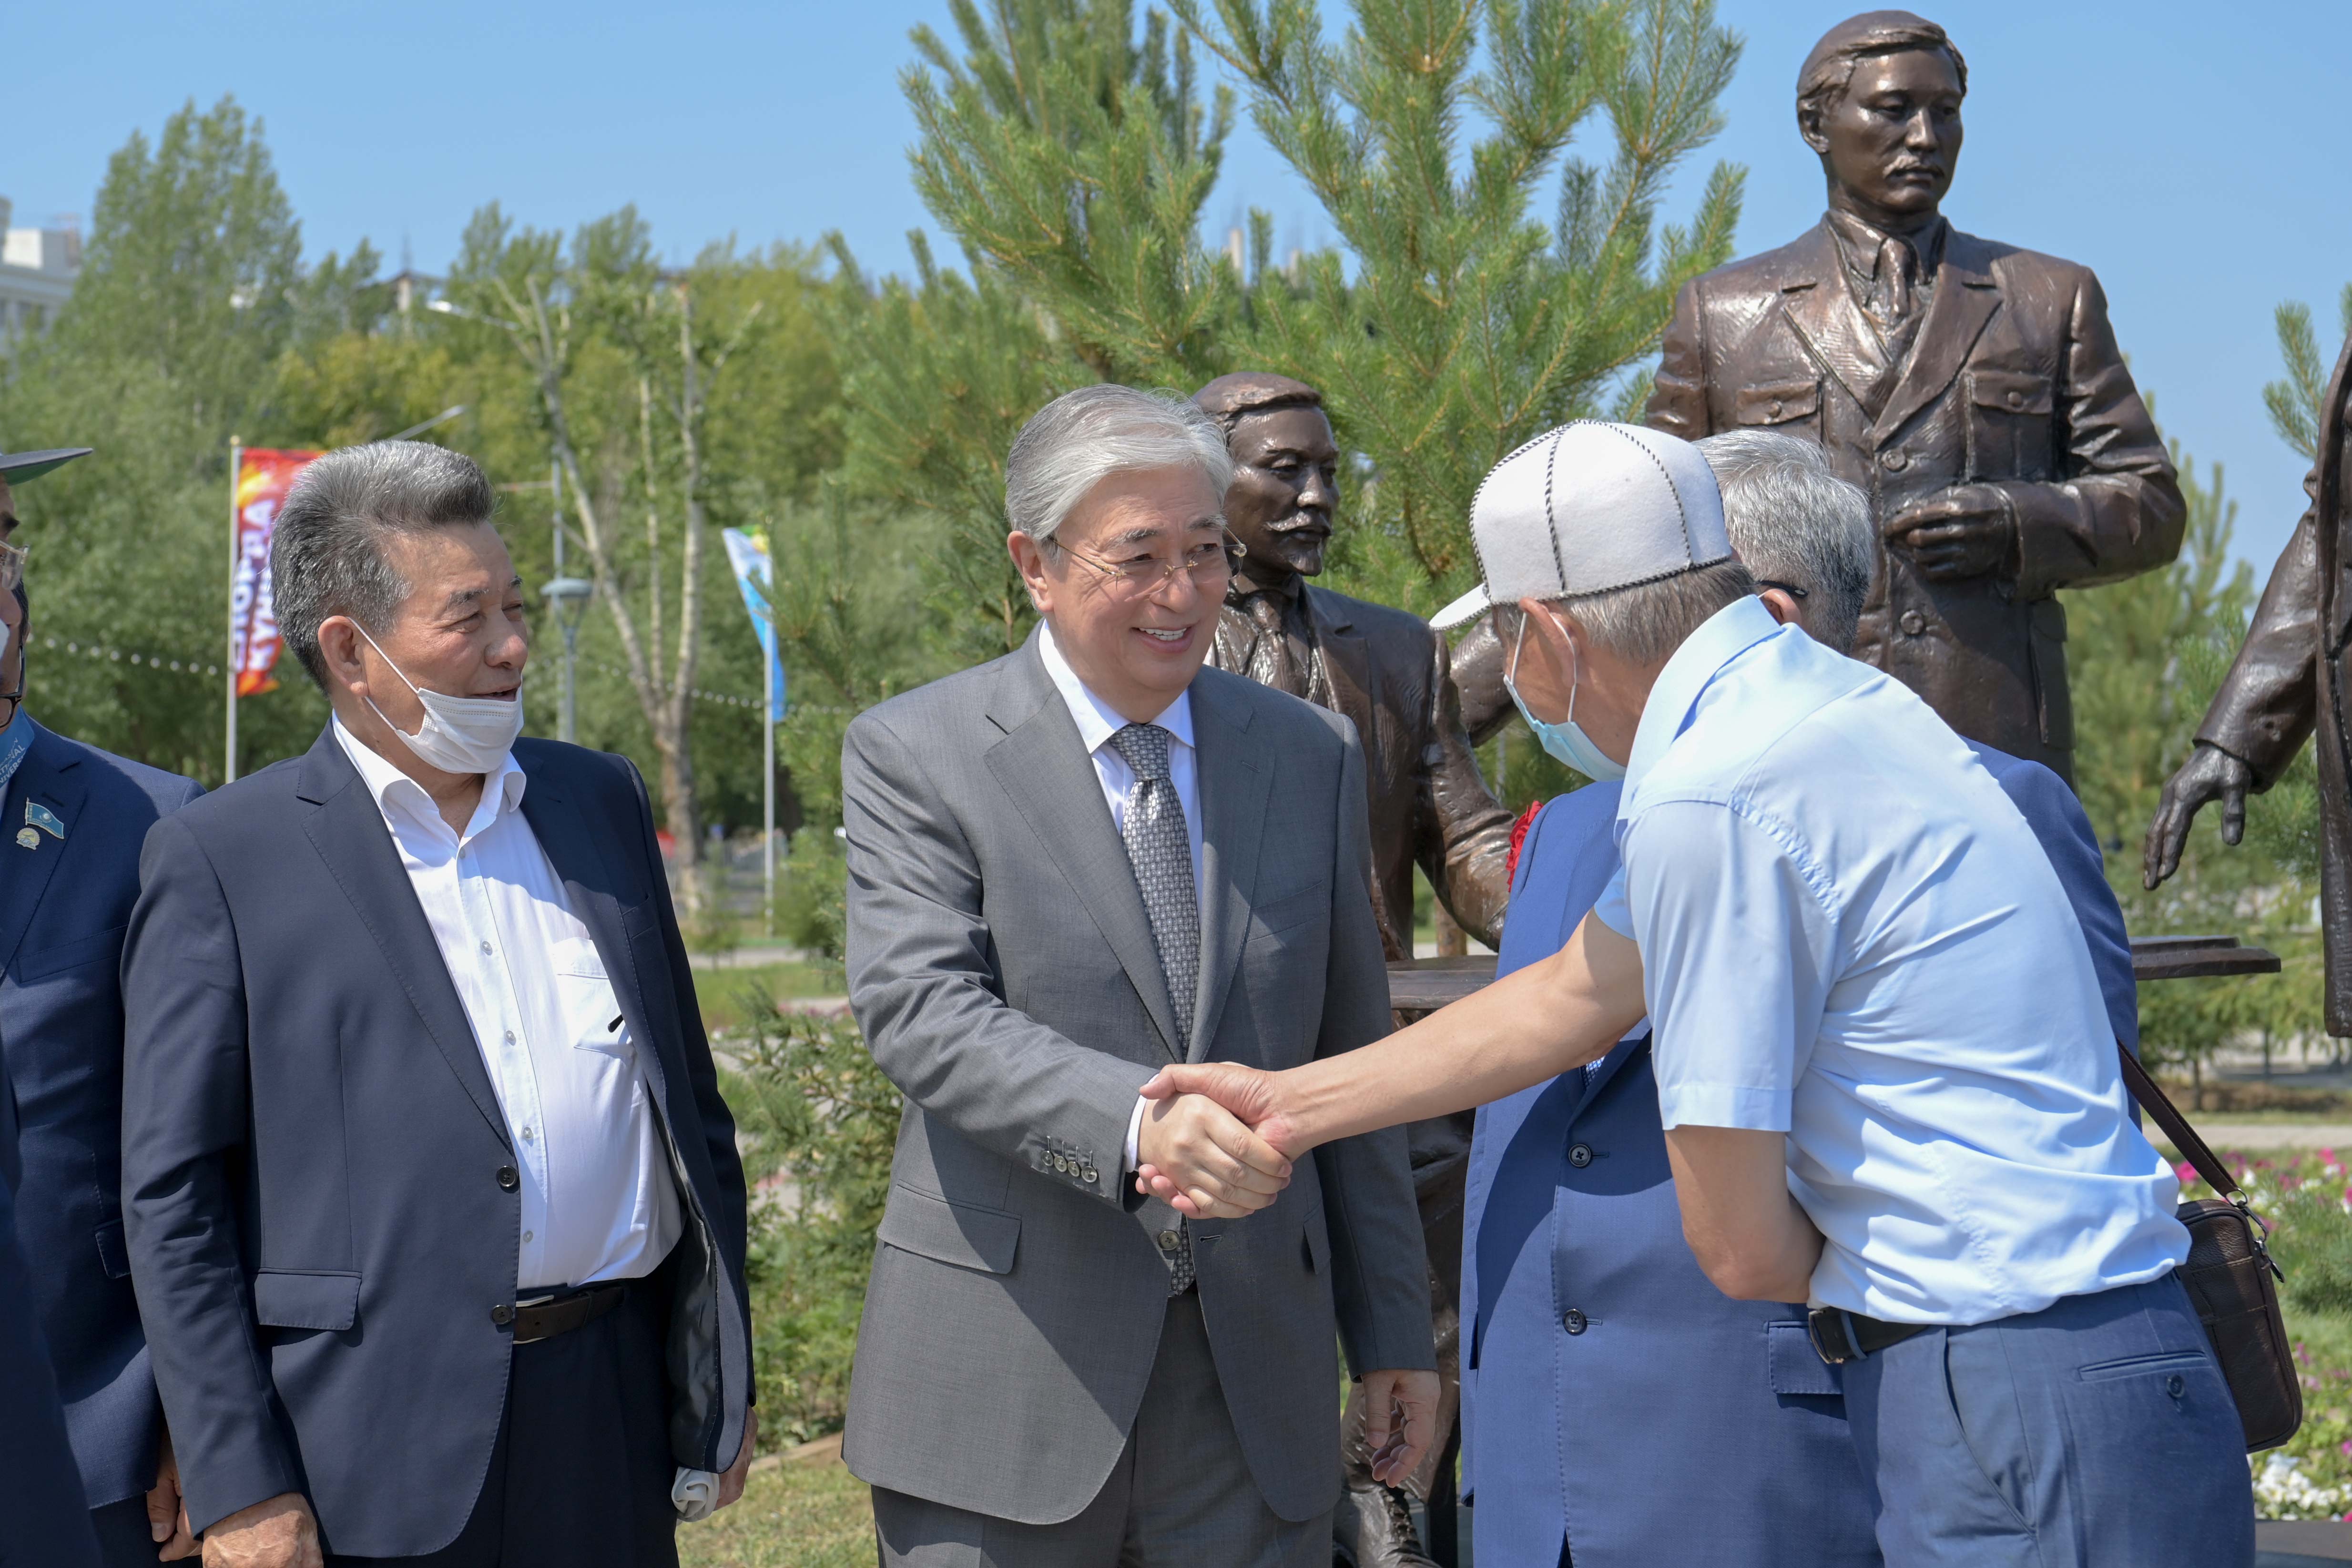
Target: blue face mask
x=1564, y=741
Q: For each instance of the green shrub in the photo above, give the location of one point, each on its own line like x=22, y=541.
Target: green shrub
x=818, y=1122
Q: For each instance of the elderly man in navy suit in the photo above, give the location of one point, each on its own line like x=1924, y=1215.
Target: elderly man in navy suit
x=1742, y=1458
x=71, y=821
x=434, y=1210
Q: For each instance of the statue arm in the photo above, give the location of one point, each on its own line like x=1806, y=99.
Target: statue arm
x=1478, y=669
x=2270, y=700
x=2118, y=512
x=1678, y=394
x=1462, y=837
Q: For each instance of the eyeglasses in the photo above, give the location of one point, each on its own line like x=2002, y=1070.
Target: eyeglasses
x=1206, y=562
x=12, y=567
x=1788, y=588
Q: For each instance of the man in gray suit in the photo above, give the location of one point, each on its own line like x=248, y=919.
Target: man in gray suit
x=1067, y=869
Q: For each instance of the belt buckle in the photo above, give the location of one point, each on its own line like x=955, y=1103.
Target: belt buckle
x=1834, y=1354
x=523, y=1306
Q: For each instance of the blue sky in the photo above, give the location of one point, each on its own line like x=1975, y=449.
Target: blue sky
x=2190, y=152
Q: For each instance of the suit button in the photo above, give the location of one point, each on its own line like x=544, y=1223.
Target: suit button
x=2017, y=400
x=1573, y=1320
x=1090, y=1176
x=1913, y=622
x=1896, y=461
x=1772, y=411
x=1580, y=1155
x=509, y=1178
x=2173, y=1385
x=1167, y=1241
x=502, y=1314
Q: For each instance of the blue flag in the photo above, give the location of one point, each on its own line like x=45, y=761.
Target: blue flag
x=748, y=554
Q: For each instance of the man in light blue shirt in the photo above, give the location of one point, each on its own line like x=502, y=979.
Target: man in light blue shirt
x=1889, y=1082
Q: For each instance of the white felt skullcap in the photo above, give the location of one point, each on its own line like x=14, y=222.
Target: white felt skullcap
x=1586, y=509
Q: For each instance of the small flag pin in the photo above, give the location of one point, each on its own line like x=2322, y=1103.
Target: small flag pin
x=41, y=816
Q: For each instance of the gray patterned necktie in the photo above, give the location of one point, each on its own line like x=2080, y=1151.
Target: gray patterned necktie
x=1160, y=849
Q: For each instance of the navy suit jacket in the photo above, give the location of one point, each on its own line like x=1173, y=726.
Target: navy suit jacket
x=317, y=1172
x=44, y=1519
x=64, y=902
x=1663, y=1422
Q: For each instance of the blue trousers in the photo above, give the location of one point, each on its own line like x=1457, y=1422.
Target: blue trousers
x=2096, y=1433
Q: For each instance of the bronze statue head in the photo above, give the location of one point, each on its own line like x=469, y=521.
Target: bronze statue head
x=1285, y=473
x=1879, y=99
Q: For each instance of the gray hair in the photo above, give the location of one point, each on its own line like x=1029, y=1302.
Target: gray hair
x=1643, y=623
x=1081, y=437
x=326, y=554
x=1792, y=520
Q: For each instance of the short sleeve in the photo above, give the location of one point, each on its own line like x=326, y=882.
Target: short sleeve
x=1739, y=950
x=1610, y=908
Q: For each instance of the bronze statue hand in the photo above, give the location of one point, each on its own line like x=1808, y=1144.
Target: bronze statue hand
x=1967, y=532
x=2210, y=772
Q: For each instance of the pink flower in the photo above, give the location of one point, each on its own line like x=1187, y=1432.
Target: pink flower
x=2328, y=1155
x=2186, y=1171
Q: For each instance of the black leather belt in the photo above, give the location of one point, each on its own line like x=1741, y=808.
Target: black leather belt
x=1839, y=1336
x=543, y=1317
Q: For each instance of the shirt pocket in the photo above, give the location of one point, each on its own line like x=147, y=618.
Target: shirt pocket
x=592, y=1020
x=1776, y=404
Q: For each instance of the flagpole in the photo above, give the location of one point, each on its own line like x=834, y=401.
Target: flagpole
x=228, y=750
x=768, y=754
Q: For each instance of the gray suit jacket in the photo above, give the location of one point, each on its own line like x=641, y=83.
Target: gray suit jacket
x=1003, y=969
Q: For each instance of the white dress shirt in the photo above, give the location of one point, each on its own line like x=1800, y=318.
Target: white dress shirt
x=1097, y=721
x=1850, y=935
x=598, y=1199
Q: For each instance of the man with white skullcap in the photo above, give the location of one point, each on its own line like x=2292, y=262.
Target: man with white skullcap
x=1889, y=1084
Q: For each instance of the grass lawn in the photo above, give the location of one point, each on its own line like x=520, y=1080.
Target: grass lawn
x=722, y=991
x=812, y=1514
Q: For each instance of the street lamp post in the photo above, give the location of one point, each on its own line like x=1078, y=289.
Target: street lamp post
x=568, y=597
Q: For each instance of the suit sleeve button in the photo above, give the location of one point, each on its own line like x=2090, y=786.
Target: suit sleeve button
x=1580, y=1155
x=1090, y=1176
x=509, y=1178
x=502, y=1314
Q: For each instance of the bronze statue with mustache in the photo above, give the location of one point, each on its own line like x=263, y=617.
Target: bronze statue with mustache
x=1972, y=389
x=1387, y=670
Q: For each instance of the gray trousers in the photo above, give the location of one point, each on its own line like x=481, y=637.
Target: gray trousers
x=1180, y=1497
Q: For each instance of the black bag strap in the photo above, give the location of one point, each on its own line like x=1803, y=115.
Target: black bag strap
x=2156, y=1103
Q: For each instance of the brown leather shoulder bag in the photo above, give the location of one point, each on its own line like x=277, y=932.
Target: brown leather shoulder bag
x=2231, y=1281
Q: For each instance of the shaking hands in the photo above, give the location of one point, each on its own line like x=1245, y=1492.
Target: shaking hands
x=1196, y=1151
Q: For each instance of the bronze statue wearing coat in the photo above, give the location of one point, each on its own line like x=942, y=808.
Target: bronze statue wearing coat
x=2289, y=679
x=1387, y=670
x=1973, y=390
x=1382, y=668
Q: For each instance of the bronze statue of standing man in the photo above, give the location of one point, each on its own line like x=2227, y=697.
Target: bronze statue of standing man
x=2289, y=679
x=1973, y=390
x=1387, y=670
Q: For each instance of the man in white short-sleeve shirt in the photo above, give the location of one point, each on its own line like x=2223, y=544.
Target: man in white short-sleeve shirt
x=1885, y=1068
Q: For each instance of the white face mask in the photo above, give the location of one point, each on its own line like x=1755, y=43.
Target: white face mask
x=460, y=734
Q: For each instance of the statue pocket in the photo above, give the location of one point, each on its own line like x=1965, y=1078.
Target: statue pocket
x=1778, y=405
x=2008, y=425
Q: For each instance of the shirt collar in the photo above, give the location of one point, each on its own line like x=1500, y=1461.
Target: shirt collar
x=1722, y=638
x=1859, y=242
x=1097, y=720
x=501, y=792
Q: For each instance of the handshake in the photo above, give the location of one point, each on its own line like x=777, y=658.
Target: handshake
x=1216, y=1142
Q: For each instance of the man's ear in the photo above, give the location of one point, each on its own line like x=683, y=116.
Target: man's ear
x=1809, y=126
x=339, y=650
x=1029, y=560
x=1782, y=607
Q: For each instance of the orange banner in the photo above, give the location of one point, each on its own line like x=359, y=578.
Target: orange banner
x=263, y=478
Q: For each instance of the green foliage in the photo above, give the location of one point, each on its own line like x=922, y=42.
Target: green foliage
x=1471, y=324
x=818, y=1121
x=2294, y=401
